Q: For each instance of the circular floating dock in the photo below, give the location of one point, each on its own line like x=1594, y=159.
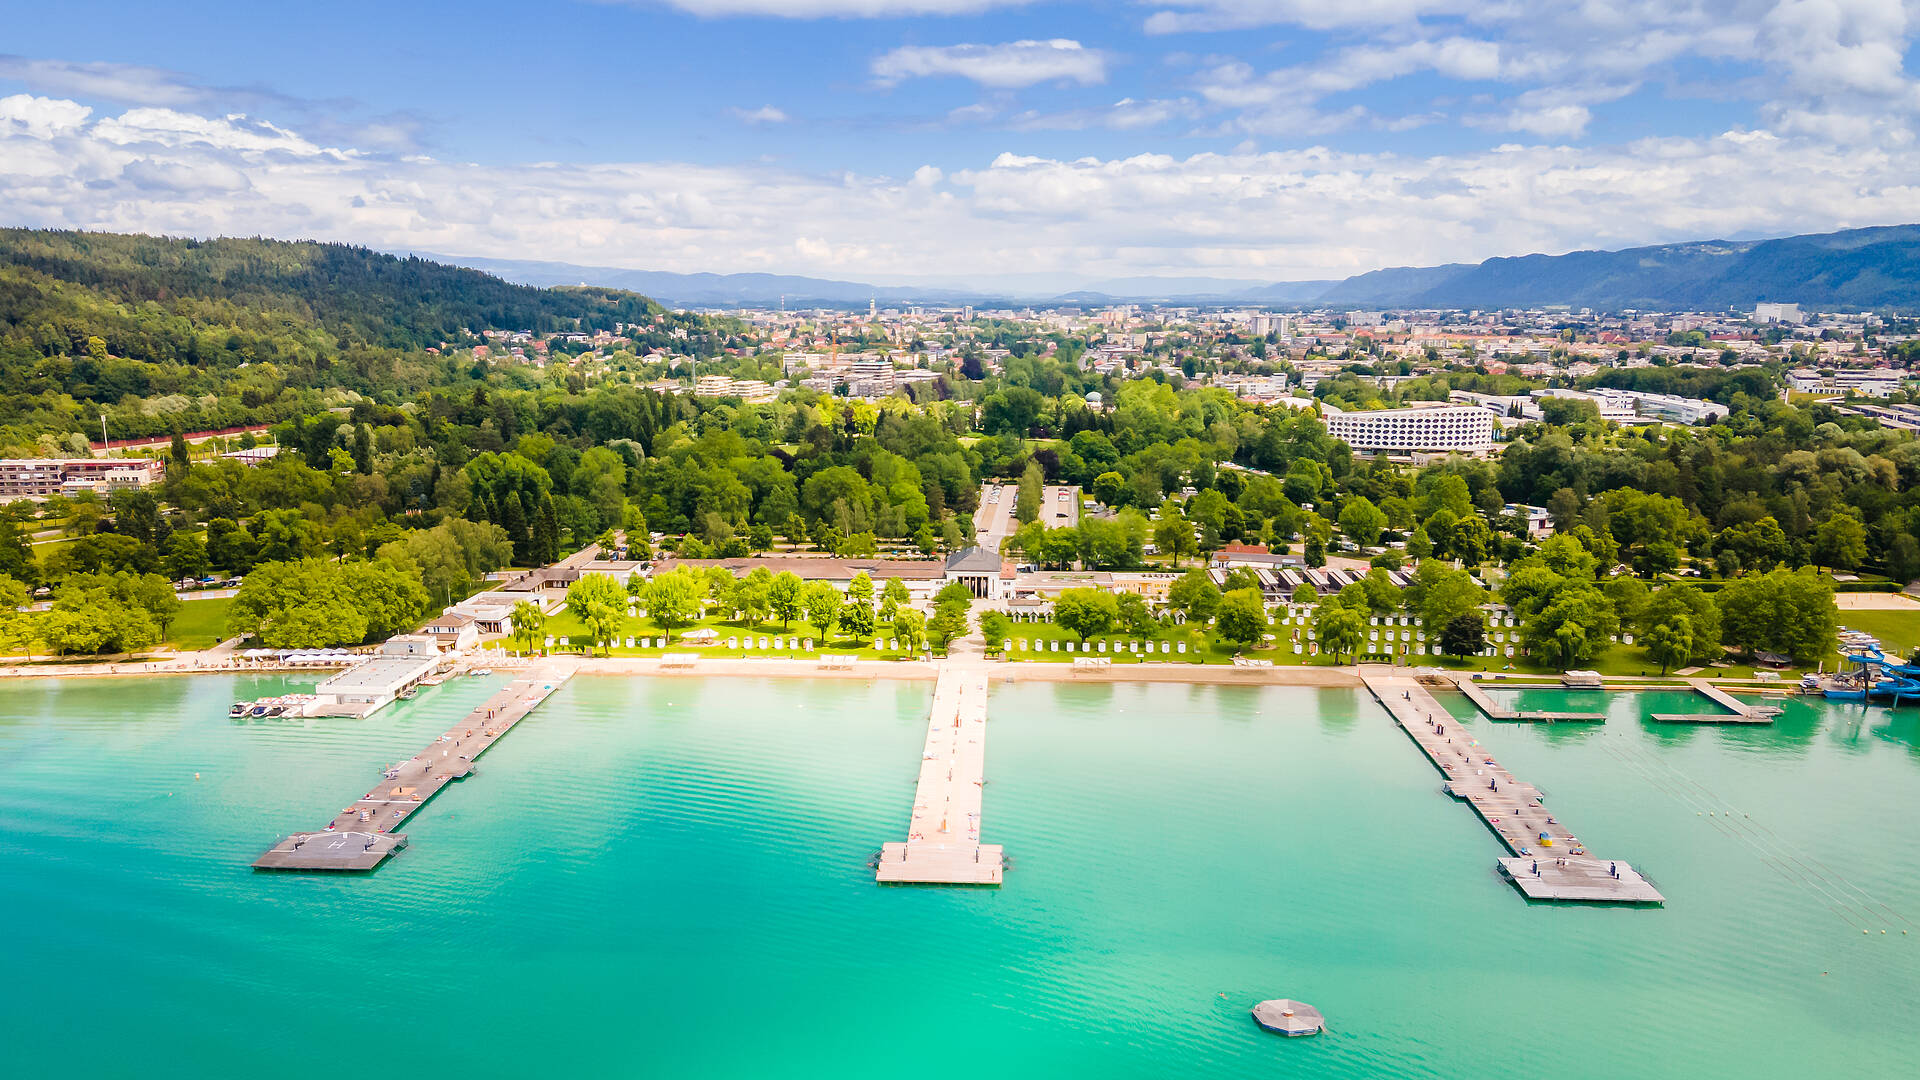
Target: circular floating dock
x=1289, y=1017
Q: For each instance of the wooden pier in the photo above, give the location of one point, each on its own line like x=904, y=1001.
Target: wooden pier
x=1737, y=711
x=361, y=837
x=943, y=833
x=1495, y=711
x=1559, y=868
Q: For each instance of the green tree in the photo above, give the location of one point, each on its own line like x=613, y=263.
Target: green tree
x=1133, y=614
x=1243, y=616
x=16, y=626
x=996, y=628
x=1173, y=534
x=948, y=623
x=600, y=603
x=823, y=604
x=1362, y=521
x=911, y=629
x=672, y=599
x=786, y=594
x=1670, y=642
x=1085, y=612
x=1464, y=634
x=1575, y=625
x=893, y=597
x=1702, y=615
x=1031, y=493
x=186, y=557
x=1840, y=543
x=1339, y=629
x=529, y=623
x=1194, y=595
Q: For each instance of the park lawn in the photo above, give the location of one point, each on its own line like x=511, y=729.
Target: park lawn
x=201, y=624
x=563, y=624
x=1898, y=631
x=1203, y=646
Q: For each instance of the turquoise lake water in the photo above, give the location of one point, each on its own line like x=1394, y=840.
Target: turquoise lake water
x=669, y=878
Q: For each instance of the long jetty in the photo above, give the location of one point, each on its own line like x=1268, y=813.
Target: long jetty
x=943, y=833
x=1558, y=868
x=361, y=837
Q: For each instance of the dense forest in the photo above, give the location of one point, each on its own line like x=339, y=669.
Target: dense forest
x=164, y=335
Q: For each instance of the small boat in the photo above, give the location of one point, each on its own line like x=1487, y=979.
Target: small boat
x=257, y=711
x=238, y=709
x=408, y=692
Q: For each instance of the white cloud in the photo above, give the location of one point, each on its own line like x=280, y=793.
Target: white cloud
x=133, y=84
x=41, y=118
x=1551, y=120
x=1009, y=66
x=765, y=114
x=1311, y=212
x=1813, y=57
x=1123, y=115
x=1207, y=15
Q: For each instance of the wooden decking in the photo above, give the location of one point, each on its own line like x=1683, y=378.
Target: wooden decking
x=943, y=833
x=1496, y=711
x=1737, y=711
x=361, y=837
x=1559, y=868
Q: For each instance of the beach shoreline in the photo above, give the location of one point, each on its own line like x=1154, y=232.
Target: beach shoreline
x=795, y=667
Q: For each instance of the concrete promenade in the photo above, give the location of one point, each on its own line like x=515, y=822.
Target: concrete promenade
x=943, y=833
x=361, y=837
x=1558, y=870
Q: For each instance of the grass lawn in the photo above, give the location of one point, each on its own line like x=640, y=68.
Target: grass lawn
x=561, y=624
x=1898, y=631
x=201, y=624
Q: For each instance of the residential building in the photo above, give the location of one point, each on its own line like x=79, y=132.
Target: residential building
x=1447, y=429
x=26, y=478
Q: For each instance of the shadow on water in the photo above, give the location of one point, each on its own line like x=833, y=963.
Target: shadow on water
x=1901, y=727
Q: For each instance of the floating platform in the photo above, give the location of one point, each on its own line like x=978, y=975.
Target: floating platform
x=1495, y=711
x=1289, y=1017
x=1737, y=711
x=943, y=833
x=1512, y=809
x=1583, y=878
x=361, y=837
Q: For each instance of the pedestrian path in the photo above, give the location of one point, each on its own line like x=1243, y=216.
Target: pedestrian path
x=361, y=837
x=1547, y=861
x=943, y=832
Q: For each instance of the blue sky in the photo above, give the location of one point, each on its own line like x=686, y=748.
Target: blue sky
x=965, y=139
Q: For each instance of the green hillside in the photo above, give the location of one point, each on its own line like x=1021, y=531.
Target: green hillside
x=166, y=334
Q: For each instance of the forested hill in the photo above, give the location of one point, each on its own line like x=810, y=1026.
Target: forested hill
x=359, y=297
x=166, y=335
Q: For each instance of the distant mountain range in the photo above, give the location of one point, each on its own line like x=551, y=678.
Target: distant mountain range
x=1853, y=269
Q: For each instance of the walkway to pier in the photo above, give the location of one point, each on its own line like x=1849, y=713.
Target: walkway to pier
x=943, y=834
x=1513, y=809
x=1496, y=711
x=361, y=837
x=1738, y=712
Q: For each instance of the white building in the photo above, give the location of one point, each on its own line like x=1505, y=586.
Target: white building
x=1452, y=428
x=1778, y=313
